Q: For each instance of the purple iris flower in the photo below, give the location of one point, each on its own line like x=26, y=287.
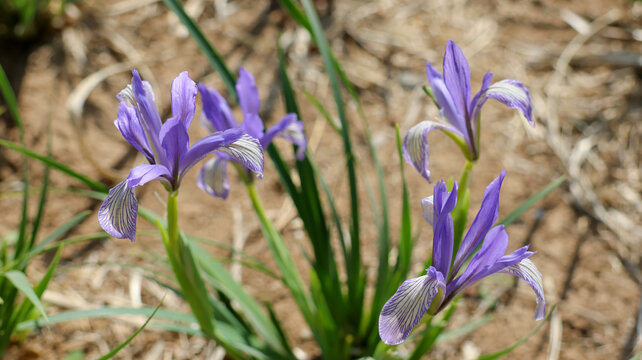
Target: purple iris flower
x=166, y=147
x=462, y=114
x=443, y=282
x=217, y=116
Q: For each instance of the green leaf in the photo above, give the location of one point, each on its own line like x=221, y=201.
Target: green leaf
x=107, y=312
x=465, y=329
x=19, y=280
x=115, y=351
x=507, y=350
x=94, y=185
x=315, y=102
x=353, y=268
x=10, y=99
x=532, y=200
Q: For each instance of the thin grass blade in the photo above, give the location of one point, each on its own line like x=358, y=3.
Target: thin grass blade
x=20, y=281
x=532, y=200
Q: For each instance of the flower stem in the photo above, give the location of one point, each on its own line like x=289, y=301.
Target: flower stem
x=186, y=271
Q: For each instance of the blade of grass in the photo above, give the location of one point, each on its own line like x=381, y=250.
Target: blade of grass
x=509, y=349
x=19, y=280
x=355, y=278
x=10, y=98
x=94, y=185
x=532, y=200
x=115, y=350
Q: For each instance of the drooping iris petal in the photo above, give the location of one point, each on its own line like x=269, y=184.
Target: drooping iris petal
x=511, y=93
x=445, y=100
x=117, y=214
x=183, y=95
x=457, y=76
x=239, y=146
x=248, y=152
x=428, y=206
x=527, y=271
x=129, y=126
x=215, y=110
x=291, y=129
x=175, y=142
x=415, y=145
x=144, y=173
x=250, y=103
x=407, y=306
x=213, y=177
x=483, y=221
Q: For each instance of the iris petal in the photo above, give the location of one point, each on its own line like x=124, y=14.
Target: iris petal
x=183, y=95
x=248, y=152
x=457, y=76
x=250, y=103
x=511, y=93
x=483, y=221
x=215, y=110
x=415, y=145
x=428, y=206
x=527, y=271
x=213, y=178
x=407, y=306
x=117, y=214
x=291, y=129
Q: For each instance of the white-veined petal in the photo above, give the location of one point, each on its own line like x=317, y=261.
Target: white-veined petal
x=527, y=271
x=407, y=306
x=117, y=214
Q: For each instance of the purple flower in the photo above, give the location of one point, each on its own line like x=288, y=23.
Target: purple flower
x=432, y=292
x=166, y=147
x=462, y=114
x=217, y=116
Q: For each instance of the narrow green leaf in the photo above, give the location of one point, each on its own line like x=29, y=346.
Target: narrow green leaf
x=94, y=185
x=315, y=102
x=465, y=329
x=532, y=200
x=353, y=268
x=507, y=350
x=10, y=98
x=107, y=312
x=19, y=280
x=115, y=350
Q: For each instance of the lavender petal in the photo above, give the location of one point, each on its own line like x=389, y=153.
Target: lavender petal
x=250, y=103
x=404, y=310
x=483, y=221
x=183, y=96
x=527, y=271
x=215, y=110
x=415, y=145
x=446, y=101
x=129, y=126
x=117, y=214
x=511, y=93
x=213, y=178
x=457, y=76
x=291, y=129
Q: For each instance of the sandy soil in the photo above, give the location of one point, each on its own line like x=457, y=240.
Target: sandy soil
x=585, y=233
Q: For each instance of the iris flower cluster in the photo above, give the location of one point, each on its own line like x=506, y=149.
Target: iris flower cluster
x=484, y=245
x=444, y=280
x=166, y=146
x=459, y=113
x=217, y=116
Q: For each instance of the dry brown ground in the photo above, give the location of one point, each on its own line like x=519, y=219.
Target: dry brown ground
x=581, y=61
